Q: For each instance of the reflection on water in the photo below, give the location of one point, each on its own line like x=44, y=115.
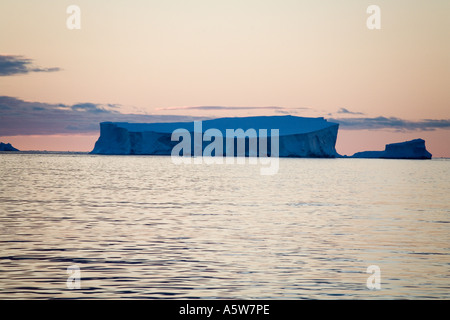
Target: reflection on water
x=142, y=227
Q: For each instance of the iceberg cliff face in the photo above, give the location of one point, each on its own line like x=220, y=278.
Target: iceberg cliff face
x=298, y=136
x=414, y=149
x=7, y=147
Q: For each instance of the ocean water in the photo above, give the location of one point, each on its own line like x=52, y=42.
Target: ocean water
x=143, y=227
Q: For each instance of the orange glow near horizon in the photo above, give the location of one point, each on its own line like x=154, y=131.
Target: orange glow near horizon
x=348, y=141
x=74, y=143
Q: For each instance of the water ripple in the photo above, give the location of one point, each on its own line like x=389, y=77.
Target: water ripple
x=142, y=227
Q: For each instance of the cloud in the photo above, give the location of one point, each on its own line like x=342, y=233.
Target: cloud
x=379, y=123
x=281, y=110
x=92, y=108
x=18, y=117
x=219, y=108
x=346, y=111
x=11, y=65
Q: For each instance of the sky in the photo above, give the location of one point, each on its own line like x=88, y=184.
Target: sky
x=169, y=60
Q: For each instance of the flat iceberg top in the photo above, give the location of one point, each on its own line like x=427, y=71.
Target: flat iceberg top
x=287, y=125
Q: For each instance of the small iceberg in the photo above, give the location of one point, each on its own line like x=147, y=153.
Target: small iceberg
x=7, y=147
x=414, y=149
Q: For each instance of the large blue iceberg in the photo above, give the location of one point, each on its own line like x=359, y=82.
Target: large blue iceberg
x=298, y=136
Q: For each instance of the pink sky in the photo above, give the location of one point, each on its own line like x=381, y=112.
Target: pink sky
x=310, y=58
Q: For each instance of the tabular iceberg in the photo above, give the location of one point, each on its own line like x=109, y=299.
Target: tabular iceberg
x=414, y=149
x=298, y=136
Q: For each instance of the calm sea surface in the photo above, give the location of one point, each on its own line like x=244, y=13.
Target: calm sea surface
x=143, y=227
